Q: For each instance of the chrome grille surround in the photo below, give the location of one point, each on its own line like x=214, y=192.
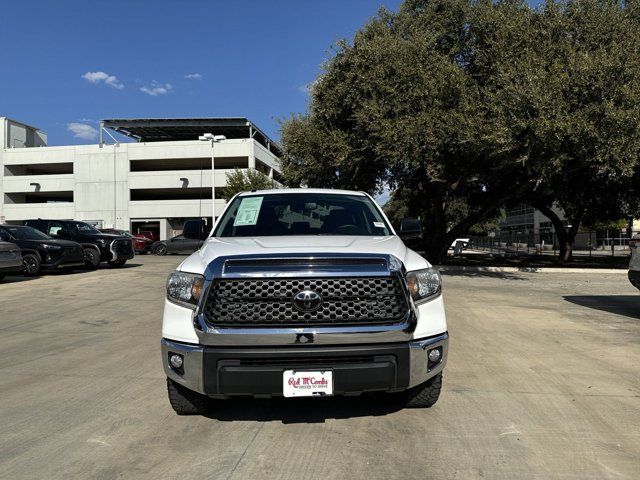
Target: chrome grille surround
x=303, y=267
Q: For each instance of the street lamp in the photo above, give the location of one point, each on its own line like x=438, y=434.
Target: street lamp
x=210, y=137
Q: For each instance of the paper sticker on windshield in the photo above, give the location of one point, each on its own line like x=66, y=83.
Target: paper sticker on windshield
x=378, y=224
x=248, y=211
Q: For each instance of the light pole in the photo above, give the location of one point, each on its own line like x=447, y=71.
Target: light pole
x=210, y=137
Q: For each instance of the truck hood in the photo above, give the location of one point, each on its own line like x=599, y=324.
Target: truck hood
x=303, y=245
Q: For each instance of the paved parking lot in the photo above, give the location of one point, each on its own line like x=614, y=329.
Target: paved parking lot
x=542, y=382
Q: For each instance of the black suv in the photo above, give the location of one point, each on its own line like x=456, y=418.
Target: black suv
x=98, y=247
x=40, y=251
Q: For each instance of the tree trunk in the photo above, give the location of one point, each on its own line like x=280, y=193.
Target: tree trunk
x=438, y=237
x=436, y=249
x=434, y=240
x=566, y=236
x=565, y=244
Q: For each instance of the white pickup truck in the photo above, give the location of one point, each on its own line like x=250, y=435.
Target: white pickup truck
x=634, y=265
x=303, y=292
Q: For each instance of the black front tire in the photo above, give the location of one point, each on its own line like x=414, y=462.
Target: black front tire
x=161, y=250
x=185, y=401
x=30, y=264
x=424, y=395
x=117, y=263
x=91, y=258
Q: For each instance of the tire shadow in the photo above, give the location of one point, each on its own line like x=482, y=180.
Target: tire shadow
x=626, y=305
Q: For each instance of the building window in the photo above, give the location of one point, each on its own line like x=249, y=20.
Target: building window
x=38, y=197
x=63, y=168
x=203, y=163
x=171, y=194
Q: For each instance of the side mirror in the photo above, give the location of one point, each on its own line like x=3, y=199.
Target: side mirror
x=410, y=227
x=194, y=230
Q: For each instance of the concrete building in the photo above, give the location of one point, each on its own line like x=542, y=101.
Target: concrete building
x=165, y=176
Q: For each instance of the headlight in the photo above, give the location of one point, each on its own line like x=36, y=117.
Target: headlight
x=52, y=248
x=185, y=288
x=424, y=284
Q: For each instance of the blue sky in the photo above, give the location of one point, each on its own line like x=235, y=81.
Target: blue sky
x=68, y=64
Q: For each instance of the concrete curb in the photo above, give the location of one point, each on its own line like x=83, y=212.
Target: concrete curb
x=456, y=268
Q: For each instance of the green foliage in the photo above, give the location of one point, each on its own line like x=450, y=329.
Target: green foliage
x=469, y=105
x=246, y=181
x=595, y=57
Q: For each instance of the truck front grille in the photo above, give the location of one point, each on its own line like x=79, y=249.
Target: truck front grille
x=122, y=246
x=355, y=301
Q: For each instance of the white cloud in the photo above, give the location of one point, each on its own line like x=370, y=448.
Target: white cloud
x=97, y=77
x=82, y=131
x=193, y=76
x=156, y=89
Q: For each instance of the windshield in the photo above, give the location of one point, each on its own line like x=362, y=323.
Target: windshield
x=83, y=228
x=27, y=233
x=301, y=214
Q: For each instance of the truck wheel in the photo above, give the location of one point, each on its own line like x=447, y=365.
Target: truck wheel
x=91, y=258
x=30, y=264
x=424, y=395
x=185, y=401
x=117, y=263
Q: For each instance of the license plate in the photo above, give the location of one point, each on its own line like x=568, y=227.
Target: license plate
x=307, y=383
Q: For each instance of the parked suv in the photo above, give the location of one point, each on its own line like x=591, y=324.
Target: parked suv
x=97, y=246
x=40, y=251
x=303, y=292
x=634, y=265
x=10, y=259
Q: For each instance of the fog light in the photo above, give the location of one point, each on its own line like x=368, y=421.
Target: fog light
x=434, y=355
x=176, y=361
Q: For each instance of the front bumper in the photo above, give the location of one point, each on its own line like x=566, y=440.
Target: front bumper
x=634, y=278
x=52, y=263
x=257, y=371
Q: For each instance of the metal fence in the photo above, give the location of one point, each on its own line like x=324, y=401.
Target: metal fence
x=586, y=244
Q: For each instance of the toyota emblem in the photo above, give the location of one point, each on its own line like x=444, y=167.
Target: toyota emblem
x=307, y=301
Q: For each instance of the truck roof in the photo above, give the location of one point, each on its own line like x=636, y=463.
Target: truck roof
x=302, y=190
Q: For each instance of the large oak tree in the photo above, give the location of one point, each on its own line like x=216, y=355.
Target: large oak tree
x=467, y=106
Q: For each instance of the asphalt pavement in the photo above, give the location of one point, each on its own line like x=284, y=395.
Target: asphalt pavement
x=543, y=382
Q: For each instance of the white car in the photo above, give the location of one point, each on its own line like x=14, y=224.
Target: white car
x=634, y=265
x=303, y=292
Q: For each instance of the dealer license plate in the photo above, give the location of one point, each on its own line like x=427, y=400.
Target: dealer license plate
x=307, y=383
